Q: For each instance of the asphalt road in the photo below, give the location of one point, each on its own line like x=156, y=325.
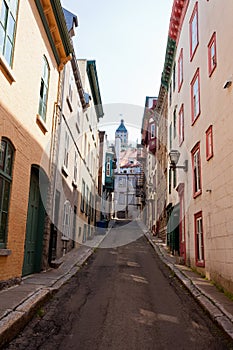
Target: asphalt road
x=124, y=298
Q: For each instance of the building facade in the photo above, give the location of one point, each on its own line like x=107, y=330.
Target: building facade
x=149, y=139
x=28, y=107
x=89, y=136
x=74, y=102
x=200, y=129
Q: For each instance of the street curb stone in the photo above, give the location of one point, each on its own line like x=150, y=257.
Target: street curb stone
x=12, y=323
x=14, y=320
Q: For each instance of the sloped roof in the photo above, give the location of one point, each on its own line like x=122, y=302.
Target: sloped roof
x=70, y=18
x=122, y=127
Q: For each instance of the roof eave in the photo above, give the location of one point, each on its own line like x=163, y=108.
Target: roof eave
x=93, y=79
x=53, y=19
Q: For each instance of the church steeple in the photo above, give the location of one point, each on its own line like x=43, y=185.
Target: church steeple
x=122, y=133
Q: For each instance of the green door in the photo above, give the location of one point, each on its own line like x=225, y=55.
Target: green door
x=33, y=241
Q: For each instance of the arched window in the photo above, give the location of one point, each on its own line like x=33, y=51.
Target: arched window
x=6, y=162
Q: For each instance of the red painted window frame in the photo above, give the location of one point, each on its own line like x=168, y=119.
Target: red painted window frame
x=193, y=152
x=152, y=137
x=181, y=131
x=211, y=66
x=196, y=76
x=199, y=263
x=180, y=69
x=209, y=133
x=193, y=49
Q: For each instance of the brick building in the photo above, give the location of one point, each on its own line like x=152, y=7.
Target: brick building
x=29, y=80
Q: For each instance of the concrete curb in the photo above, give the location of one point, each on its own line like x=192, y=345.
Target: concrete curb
x=17, y=319
x=217, y=313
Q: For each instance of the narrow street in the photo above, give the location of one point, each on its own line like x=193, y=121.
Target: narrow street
x=124, y=298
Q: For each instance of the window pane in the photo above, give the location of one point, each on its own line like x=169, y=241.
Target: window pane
x=2, y=154
x=6, y=192
x=42, y=88
x=13, y=7
x=1, y=189
x=11, y=28
x=45, y=72
x=8, y=51
x=2, y=38
x=194, y=32
x=3, y=223
x=3, y=15
x=9, y=159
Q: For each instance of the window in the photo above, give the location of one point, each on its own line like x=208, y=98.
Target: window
x=89, y=204
x=84, y=233
x=82, y=203
x=6, y=162
x=87, y=201
x=75, y=166
x=74, y=224
x=85, y=146
x=66, y=151
x=131, y=199
x=181, y=125
x=92, y=207
x=212, y=56
x=88, y=155
x=7, y=29
x=195, y=96
x=78, y=117
x=209, y=142
x=174, y=178
x=199, y=240
x=122, y=181
x=170, y=136
x=108, y=167
x=121, y=200
x=152, y=131
x=180, y=70
x=71, y=88
x=66, y=219
x=174, y=123
x=44, y=85
x=193, y=31
x=170, y=93
x=196, y=163
x=174, y=77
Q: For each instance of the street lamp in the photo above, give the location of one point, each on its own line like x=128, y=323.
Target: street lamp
x=174, y=156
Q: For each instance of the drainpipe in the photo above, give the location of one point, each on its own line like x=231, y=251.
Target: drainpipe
x=55, y=138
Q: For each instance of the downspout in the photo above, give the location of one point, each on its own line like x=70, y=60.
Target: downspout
x=53, y=158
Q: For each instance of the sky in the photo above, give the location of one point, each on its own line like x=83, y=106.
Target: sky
x=128, y=39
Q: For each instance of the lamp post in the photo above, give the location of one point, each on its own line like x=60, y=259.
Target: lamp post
x=174, y=156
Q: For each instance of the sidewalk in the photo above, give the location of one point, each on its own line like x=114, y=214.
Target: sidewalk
x=219, y=307
x=19, y=303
